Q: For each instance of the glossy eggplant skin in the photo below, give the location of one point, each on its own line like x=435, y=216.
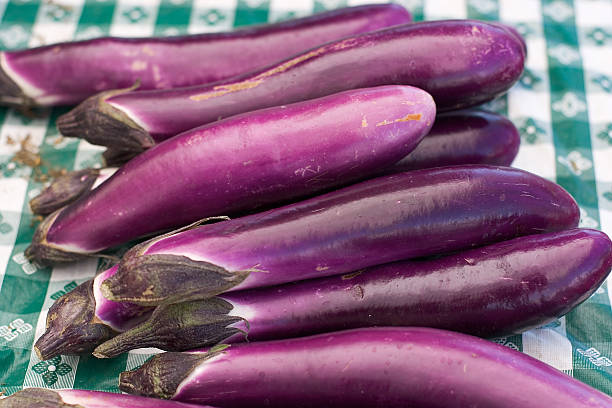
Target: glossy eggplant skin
x=465, y=137
x=67, y=73
x=377, y=367
x=480, y=62
x=458, y=137
x=240, y=164
x=45, y=398
x=390, y=218
x=495, y=290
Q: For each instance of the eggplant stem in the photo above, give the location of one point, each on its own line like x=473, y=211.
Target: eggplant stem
x=100, y=123
x=42, y=252
x=72, y=327
x=63, y=191
x=155, y=279
x=160, y=376
x=177, y=327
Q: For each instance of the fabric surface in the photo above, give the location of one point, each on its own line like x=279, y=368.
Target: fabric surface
x=562, y=106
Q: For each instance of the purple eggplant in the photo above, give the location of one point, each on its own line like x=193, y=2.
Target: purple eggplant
x=391, y=218
x=459, y=137
x=495, y=290
x=239, y=164
x=377, y=367
x=45, y=398
x=67, y=73
x=461, y=63
x=465, y=137
x=403, y=216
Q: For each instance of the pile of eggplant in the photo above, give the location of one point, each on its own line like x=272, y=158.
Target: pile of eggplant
x=339, y=226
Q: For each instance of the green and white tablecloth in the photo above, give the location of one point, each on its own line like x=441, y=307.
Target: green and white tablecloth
x=562, y=106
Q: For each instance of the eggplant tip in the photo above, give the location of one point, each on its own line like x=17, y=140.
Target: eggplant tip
x=100, y=123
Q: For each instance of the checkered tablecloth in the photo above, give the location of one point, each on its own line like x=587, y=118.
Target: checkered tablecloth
x=562, y=106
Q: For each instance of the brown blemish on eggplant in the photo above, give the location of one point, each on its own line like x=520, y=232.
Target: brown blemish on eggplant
x=352, y=274
x=409, y=117
x=225, y=89
x=384, y=122
x=364, y=122
x=221, y=90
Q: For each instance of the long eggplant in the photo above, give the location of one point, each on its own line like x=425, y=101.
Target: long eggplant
x=387, y=219
x=461, y=63
x=376, y=367
x=239, y=164
x=45, y=398
x=495, y=290
x=459, y=137
x=390, y=218
x=69, y=72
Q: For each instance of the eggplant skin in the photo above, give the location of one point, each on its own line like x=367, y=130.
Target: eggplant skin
x=377, y=367
x=240, y=164
x=67, y=73
x=495, y=290
x=386, y=219
x=457, y=137
x=481, y=61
